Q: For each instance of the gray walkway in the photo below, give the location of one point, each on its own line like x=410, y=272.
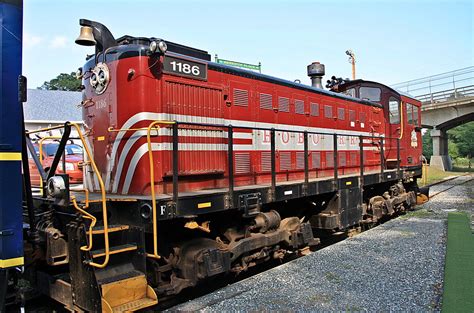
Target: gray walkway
x=396, y=266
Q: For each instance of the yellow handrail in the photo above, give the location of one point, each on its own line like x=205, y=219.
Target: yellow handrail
x=401, y=119
x=152, y=186
x=104, y=205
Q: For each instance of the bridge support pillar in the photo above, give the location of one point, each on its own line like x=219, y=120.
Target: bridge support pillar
x=440, y=158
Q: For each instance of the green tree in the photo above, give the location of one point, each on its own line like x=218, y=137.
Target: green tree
x=427, y=145
x=63, y=82
x=463, y=136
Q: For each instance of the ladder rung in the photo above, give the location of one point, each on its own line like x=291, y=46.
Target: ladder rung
x=114, y=250
x=111, y=229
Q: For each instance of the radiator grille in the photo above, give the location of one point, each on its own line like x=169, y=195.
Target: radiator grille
x=266, y=101
x=266, y=161
x=283, y=104
x=329, y=159
x=300, y=160
x=314, y=109
x=342, y=159
x=299, y=106
x=328, y=111
x=241, y=97
x=242, y=163
x=316, y=159
x=285, y=161
x=353, y=158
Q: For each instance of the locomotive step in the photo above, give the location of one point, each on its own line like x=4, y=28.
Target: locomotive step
x=128, y=294
x=112, y=228
x=114, y=250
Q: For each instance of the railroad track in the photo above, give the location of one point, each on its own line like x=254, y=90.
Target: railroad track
x=452, y=186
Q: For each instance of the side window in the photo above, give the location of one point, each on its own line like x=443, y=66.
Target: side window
x=393, y=109
x=415, y=116
x=370, y=93
x=409, y=113
x=328, y=111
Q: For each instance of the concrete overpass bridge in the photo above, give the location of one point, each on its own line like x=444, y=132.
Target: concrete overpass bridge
x=447, y=101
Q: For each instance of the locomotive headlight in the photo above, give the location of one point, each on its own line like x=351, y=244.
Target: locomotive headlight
x=162, y=46
x=153, y=46
x=93, y=80
x=102, y=77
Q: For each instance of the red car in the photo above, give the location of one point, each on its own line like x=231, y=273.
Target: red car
x=74, y=159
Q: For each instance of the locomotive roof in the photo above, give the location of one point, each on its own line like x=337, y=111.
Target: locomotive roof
x=135, y=46
x=271, y=79
x=350, y=83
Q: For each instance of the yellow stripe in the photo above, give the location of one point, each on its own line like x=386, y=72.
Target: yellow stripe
x=11, y=262
x=204, y=205
x=348, y=183
x=10, y=156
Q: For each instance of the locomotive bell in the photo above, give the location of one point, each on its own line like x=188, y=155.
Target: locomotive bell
x=86, y=37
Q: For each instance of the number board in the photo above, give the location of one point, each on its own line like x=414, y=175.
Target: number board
x=183, y=67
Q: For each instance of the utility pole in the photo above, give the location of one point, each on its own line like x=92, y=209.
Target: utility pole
x=352, y=60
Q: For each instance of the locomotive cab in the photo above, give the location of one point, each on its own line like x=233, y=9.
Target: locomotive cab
x=402, y=119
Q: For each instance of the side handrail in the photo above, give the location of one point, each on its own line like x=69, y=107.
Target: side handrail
x=152, y=125
x=104, y=205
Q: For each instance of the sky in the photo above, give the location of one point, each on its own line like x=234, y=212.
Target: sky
x=393, y=41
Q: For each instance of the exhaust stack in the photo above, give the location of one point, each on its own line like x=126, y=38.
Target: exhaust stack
x=316, y=73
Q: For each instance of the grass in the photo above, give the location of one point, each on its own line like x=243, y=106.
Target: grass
x=436, y=175
x=459, y=268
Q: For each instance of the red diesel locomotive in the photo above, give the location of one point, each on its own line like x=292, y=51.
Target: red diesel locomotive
x=195, y=169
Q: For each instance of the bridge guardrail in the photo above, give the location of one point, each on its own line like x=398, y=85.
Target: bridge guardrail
x=441, y=87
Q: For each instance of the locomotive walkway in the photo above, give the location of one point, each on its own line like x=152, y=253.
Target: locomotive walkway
x=396, y=266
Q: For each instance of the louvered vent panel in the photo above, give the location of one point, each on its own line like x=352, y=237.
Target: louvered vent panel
x=299, y=106
x=266, y=101
x=242, y=163
x=341, y=114
x=283, y=104
x=241, y=97
x=329, y=159
x=353, y=158
x=342, y=159
x=285, y=161
x=266, y=161
x=314, y=109
x=300, y=160
x=316, y=159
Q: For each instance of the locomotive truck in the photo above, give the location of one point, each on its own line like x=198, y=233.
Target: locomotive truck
x=194, y=170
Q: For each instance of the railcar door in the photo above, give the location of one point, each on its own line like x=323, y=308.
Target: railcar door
x=412, y=137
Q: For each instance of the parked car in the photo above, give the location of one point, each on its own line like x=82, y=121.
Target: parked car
x=74, y=159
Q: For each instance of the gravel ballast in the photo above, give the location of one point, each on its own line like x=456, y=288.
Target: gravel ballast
x=397, y=266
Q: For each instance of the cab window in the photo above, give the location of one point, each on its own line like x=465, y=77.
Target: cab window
x=370, y=93
x=350, y=92
x=393, y=109
x=409, y=113
x=415, y=115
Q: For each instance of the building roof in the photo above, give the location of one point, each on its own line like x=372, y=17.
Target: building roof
x=53, y=106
